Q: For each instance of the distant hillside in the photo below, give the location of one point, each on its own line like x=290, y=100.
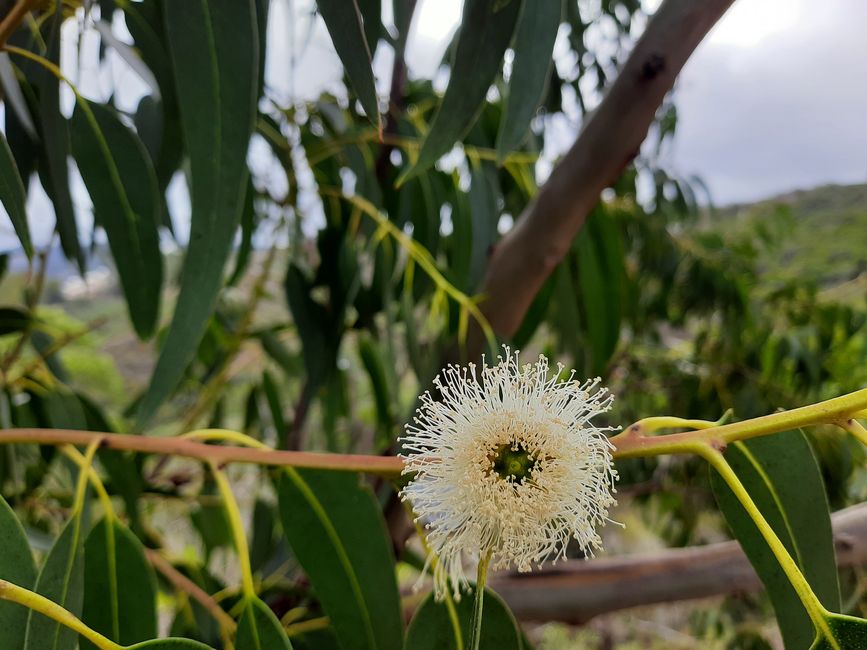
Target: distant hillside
x=821, y=235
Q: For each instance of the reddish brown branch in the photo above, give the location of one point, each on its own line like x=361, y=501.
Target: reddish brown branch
x=578, y=591
x=609, y=140
x=381, y=465
x=14, y=18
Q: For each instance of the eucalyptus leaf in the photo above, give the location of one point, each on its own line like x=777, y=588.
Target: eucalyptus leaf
x=259, y=629
x=783, y=478
x=120, y=179
x=128, y=54
x=843, y=633
x=336, y=531
x=170, y=644
x=17, y=567
x=61, y=580
x=486, y=29
x=345, y=25
x=13, y=196
x=534, y=57
x=214, y=52
x=432, y=628
x=54, y=134
x=119, y=586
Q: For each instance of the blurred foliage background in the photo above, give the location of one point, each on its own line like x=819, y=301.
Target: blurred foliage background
x=344, y=291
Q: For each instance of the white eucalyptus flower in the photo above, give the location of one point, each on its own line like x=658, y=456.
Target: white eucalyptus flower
x=508, y=463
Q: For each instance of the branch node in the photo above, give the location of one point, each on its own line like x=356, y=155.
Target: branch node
x=652, y=67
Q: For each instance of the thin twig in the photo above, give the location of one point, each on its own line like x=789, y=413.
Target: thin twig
x=183, y=583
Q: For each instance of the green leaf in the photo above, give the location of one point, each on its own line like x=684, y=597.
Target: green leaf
x=484, y=215
x=61, y=580
x=120, y=180
x=14, y=319
x=600, y=275
x=272, y=395
x=371, y=16
x=846, y=631
x=13, y=195
x=534, y=55
x=371, y=358
x=345, y=25
x=263, y=536
x=55, y=144
x=248, y=225
x=336, y=530
x=259, y=629
x=486, y=30
x=310, y=317
x=17, y=567
x=170, y=644
x=781, y=474
x=214, y=51
x=432, y=629
x=119, y=586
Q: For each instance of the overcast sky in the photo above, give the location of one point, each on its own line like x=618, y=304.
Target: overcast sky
x=774, y=99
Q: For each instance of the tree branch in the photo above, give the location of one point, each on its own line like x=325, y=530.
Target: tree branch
x=579, y=591
x=219, y=454
x=182, y=583
x=609, y=140
x=14, y=18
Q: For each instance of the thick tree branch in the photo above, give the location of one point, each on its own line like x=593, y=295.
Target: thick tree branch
x=579, y=591
x=608, y=142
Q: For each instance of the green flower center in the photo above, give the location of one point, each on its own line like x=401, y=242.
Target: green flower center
x=512, y=462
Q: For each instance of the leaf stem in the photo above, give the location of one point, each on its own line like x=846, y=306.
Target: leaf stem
x=856, y=429
x=237, y=526
x=629, y=444
x=85, y=466
x=815, y=610
x=479, y=601
x=95, y=481
x=38, y=603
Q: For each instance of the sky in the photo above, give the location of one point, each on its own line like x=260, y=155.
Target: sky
x=773, y=100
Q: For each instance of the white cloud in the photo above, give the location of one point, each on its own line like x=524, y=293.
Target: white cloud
x=779, y=104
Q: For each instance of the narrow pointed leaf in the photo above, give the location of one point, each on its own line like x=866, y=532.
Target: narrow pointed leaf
x=13, y=96
x=781, y=474
x=345, y=25
x=120, y=179
x=259, y=629
x=599, y=261
x=170, y=644
x=534, y=55
x=844, y=631
x=55, y=147
x=119, y=586
x=17, y=567
x=371, y=15
x=214, y=51
x=336, y=531
x=13, y=196
x=487, y=27
x=61, y=580
x=431, y=627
